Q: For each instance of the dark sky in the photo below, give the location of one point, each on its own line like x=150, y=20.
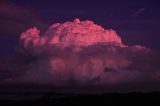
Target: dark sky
x=136, y=21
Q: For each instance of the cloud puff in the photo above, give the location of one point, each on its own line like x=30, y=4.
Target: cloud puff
x=83, y=53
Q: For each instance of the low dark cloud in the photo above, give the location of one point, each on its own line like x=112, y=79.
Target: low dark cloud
x=15, y=18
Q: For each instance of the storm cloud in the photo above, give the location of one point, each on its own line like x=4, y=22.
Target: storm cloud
x=83, y=53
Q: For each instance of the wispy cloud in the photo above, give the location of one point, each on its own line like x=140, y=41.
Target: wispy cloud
x=138, y=12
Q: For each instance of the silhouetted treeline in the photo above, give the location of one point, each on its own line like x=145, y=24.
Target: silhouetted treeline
x=83, y=99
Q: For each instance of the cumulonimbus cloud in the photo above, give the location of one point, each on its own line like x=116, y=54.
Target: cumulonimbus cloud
x=83, y=53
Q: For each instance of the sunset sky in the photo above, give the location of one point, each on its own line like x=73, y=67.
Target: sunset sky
x=118, y=45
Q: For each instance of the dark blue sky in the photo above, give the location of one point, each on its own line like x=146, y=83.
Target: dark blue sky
x=136, y=21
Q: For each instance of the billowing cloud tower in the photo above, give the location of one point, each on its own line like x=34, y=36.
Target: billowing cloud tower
x=77, y=34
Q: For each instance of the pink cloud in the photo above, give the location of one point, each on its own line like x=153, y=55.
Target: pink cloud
x=84, y=53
